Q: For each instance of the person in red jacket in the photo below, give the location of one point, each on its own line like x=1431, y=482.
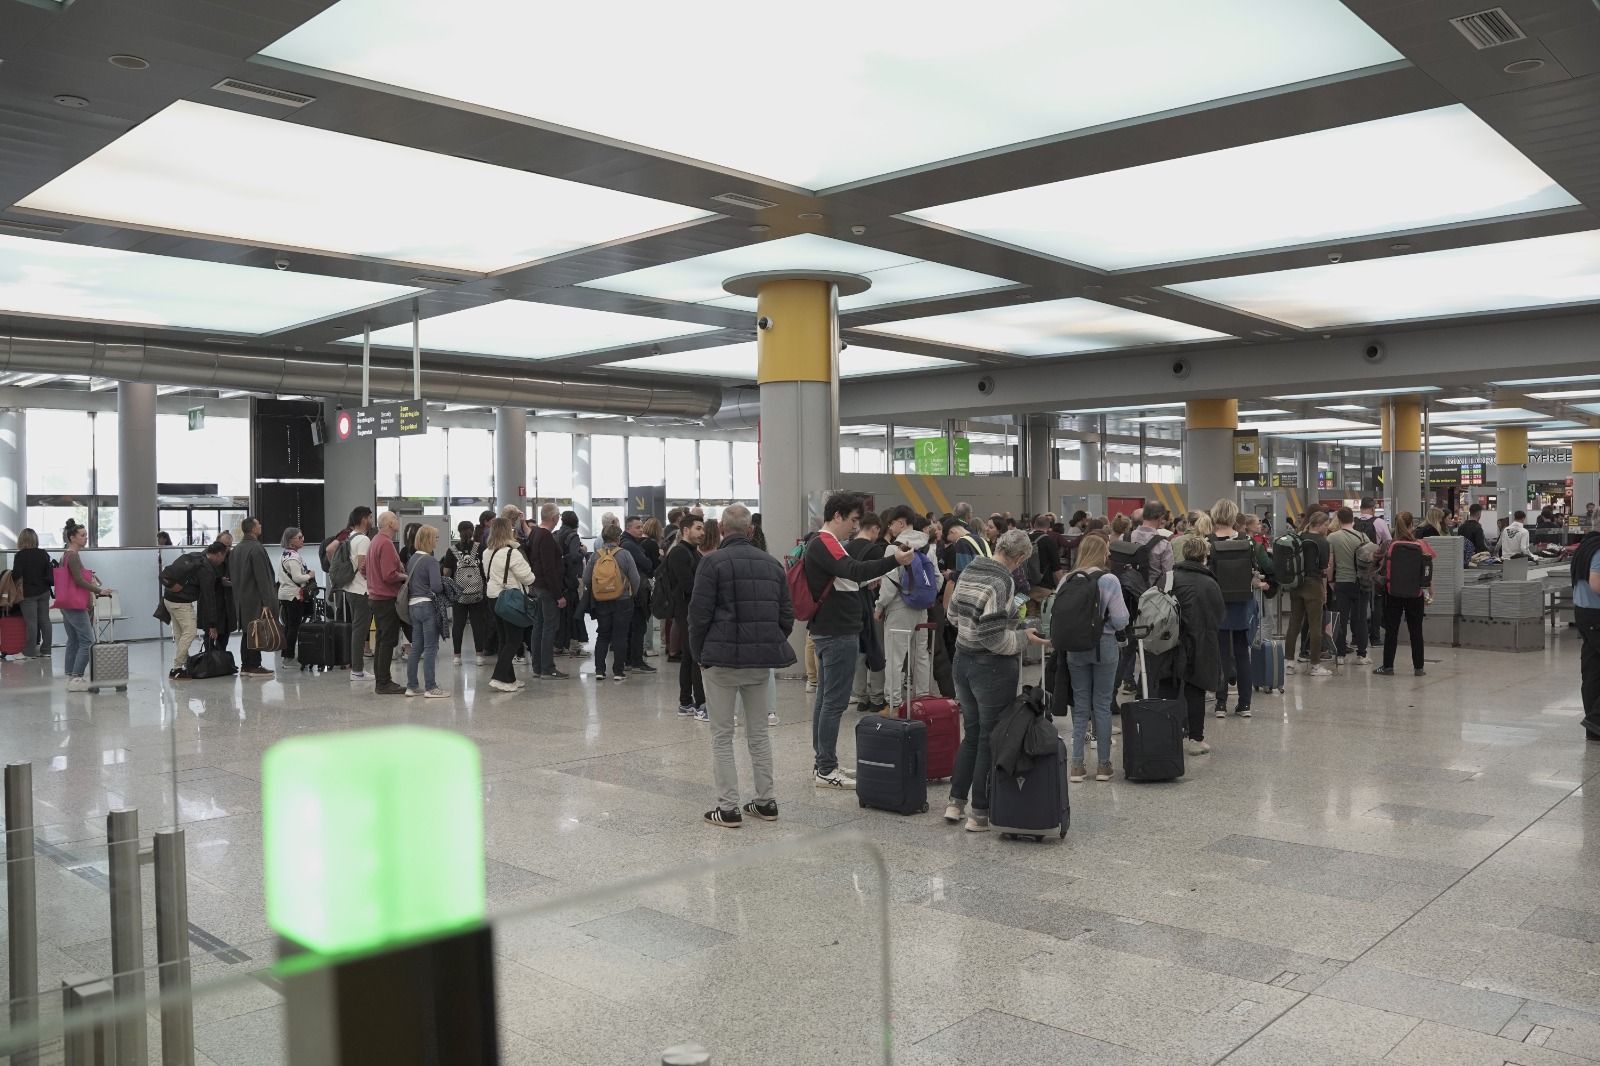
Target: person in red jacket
x=385, y=580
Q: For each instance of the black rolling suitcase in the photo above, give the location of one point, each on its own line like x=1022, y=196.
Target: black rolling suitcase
x=323, y=643
x=1035, y=804
x=892, y=764
x=1152, y=734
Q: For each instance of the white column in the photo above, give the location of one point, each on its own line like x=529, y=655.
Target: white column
x=136, y=464
x=13, y=475
x=1089, y=448
x=510, y=456
x=583, y=482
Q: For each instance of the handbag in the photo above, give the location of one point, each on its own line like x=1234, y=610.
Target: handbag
x=69, y=595
x=264, y=633
x=512, y=603
x=212, y=662
x=402, y=602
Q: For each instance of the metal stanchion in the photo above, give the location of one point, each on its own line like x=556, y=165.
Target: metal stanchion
x=21, y=905
x=127, y=939
x=172, y=949
x=92, y=1045
x=686, y=1055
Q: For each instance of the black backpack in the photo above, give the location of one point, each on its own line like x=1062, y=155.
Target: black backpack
x=1583, y=558
x=1407, y=569
x=1077, y=620
x=1369, y=526
x=1233, y=562
x=1130, y=563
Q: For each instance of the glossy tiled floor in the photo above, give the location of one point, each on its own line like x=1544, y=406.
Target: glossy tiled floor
x=1369, y=870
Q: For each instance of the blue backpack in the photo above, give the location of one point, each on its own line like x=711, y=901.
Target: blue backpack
x=919, y=582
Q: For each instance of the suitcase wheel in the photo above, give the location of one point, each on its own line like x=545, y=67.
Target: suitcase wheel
x=861, y=802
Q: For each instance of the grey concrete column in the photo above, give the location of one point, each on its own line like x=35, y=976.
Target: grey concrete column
x=1406, y=493
x=1089, y=448
x=1041, y=468
x=797, y=457
x=510, y=456
x=1511, y=481
x=349, y=474
x=13, y=475
x=136, y=464
x=583, y=481
x=1208, y=466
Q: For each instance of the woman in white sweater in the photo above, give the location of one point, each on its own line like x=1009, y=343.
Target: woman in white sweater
x=505, y=567
x=900, y=621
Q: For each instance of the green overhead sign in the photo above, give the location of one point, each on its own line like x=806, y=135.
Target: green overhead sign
x=197, y=418
x=933, y=456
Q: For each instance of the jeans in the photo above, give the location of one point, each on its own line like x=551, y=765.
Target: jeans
x=424, y=645
x=691, y=682
x=360, y=611
x=1235, y=643
x=36, y=624
x=542, y=637
x=388, y=639
x=1394, y=609
x=986, y=685
x=836, y=669
x=1350, y=605
x=1588, y=620
x=482, y=624
x=613, y=625
x=1094, y=680
x=1305, y=609
x=80, y=638
x=184, y=627
x=725, y=688
x=506, y=650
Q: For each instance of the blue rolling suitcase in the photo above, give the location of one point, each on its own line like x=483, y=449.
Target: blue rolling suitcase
x=892, y=764
x=1266, y=665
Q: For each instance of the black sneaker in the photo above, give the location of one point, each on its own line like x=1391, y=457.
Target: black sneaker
x=1420, y=672
x=620, y=675
x=556, y=675
x=176, y=674
x=767, y=812
x=726, y=819
x=1384, y=670
x=646, y=667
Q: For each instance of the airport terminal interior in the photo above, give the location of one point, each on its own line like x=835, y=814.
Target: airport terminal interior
x=269, y=269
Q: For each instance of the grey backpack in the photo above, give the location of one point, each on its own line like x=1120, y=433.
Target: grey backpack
x=1158, y=616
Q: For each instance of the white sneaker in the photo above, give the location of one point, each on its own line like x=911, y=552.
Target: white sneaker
x=436, y=694
x=77, y=684
x=954, y=812
x=1288, y=668
x=1198, y=747
x=811, y=686
x=1363, y=660
x=519, y=659
x=358, y=675
x=838, y=780
x=977, y=823
x=455, y=660
x=1320, y=671
x=479, y=659
x=772, y=717
x=502, y=686
x=519, y=683
x=413, y=692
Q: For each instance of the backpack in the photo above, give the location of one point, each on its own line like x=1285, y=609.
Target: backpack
x=980, y=547
x=661, y=593
x=1233, y=561
x=1158, y=616
x=796, y=553
x=919, y=582
x=1289, y=560
x=469, y=577
x=1130, y=562
x=1032, y=567
x=1583, y=558
x=1367, y=564
x=1407, y=569
x=1369, y=526
x=10, y=589
x=606, y=584
x=341, y=568
x=322, y=549
x=182, y=570
x=1078, y=620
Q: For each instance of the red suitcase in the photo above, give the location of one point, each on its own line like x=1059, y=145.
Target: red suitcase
x=13, y=634
x=942, y=716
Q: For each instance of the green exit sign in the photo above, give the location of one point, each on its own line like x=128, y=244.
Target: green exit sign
x=933, y=456
x=197, y=418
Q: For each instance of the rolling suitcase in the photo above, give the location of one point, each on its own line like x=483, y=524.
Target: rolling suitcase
x=941, y=716
x=108, y=667
x=892, y=764
x=1036, y=804
x=1266, y=665
x=13, y=634
x=316, y=645
x=1152, y=734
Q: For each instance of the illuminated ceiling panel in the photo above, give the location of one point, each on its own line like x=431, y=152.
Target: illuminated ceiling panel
x=56, y=280
x=208, y=170
x=895, y=278
x=739, y=361
x=1538, y=272
x=1053, y=327
x=1439, y=167
x=1503, y=414
x=516, y=329
x=1359, y=392
x=849, y=90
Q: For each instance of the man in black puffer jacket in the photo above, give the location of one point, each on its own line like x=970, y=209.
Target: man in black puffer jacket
x=740, y=617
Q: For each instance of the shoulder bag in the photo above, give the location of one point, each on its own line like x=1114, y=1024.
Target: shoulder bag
x=512, y=603
x=264, y=633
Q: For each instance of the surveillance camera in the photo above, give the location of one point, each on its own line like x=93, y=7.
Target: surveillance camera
x=858, y=230
x=1374, y=352
x=281, y=262
x=986, y=384
x=1180, y=368
x=763, y=322
x=1335, y=257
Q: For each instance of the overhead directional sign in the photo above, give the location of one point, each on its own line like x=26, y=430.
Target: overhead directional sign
x=401, y=419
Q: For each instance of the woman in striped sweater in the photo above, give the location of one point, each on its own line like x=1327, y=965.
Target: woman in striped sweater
x=989, y=643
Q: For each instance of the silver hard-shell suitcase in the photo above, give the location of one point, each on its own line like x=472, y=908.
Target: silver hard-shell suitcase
x=108, y=667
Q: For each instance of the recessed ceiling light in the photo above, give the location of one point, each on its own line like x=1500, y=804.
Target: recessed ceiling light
x=67, y=100
x=760, y=227
x=1400, y=246
x=1524, y=66
x=129, y=62
x=810, y=216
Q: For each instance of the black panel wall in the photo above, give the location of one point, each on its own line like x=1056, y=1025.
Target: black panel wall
x=286, y=468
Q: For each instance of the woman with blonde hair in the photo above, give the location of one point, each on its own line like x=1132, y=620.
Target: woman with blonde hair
x=506, y=567
x=1093, y=672
x=424, y=583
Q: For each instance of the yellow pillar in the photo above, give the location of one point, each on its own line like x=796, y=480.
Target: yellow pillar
x=1402, y=426
x=1585, y=477
x=1586, y=457
x=798, y=346
x=1511, y=445
x=1401, y=433
x=1212, y=414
